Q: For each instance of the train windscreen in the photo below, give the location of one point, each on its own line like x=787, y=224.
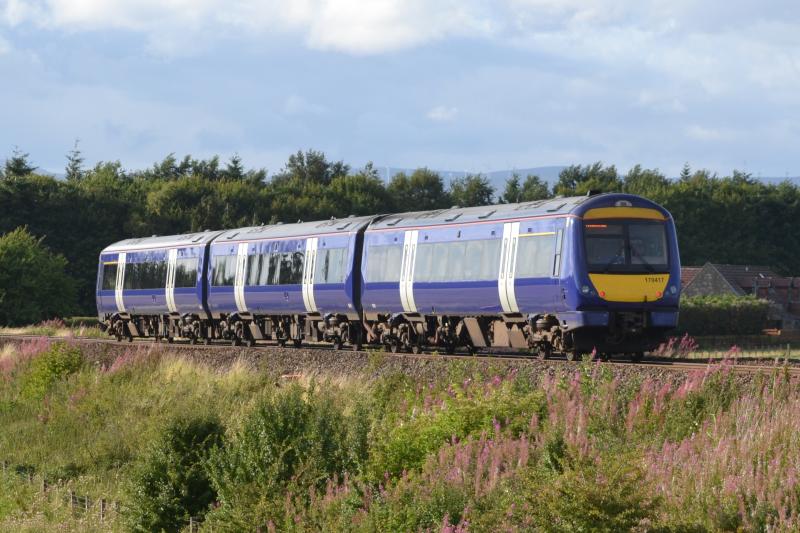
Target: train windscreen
x=626, y=247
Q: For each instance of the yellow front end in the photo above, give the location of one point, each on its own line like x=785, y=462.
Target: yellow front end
x=630, y=287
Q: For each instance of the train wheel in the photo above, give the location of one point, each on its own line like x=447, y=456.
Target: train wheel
x=119, y=337
x=357, y=347
x=208, y=341
x=281, y=342
x=192, y=340
x=636, y=357
x=416, y=349
x=543, y=352
x=337, y=343
x=394, y=347
x=571, y=355
x=130, y=338
x=297, y=342
x=450, y=348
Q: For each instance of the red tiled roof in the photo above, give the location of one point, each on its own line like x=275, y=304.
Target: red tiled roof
x=688, y=274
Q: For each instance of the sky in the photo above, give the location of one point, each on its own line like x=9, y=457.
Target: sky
x=449, y=84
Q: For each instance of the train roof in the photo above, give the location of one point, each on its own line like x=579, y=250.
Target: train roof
x=300, y=229
x=162, y=241
x=550, y=207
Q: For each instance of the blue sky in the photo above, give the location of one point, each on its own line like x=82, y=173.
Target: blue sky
x=449, y=84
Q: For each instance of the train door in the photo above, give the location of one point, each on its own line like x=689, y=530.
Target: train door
x=120, y=282
x=308, y=274
x=239, y=279
x=508, y=263
x=407, y=267
x=172, y=259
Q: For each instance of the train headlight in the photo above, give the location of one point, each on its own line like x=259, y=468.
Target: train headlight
x=673, y=289
x=585, y=289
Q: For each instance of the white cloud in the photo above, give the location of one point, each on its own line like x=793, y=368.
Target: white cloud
x=442, y=113
x=5, y=47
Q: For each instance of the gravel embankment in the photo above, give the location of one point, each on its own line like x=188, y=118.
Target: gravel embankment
x=322, y=361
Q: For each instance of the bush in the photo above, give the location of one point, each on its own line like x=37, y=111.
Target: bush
x=52, y=366
x=33, y=285
x=723, y=315
x=171, y=484
x=298, y=439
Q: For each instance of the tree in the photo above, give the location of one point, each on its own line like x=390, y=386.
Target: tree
x=33, y=285
x=578, y=180
x=311, y=166
x=18, y=165
x=534, y=188
x=74, y=169
x=471, y=190
x=511, y=193
x=686, y=171
x=362, y=193
x=421, y=191
x=171, y=485
x=645, y=182
x=234, y=170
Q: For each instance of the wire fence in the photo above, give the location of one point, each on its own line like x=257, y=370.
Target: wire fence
x=100, y=508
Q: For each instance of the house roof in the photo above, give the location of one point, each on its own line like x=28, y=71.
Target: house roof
x=688, y=274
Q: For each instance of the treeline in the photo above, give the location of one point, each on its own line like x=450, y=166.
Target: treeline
x=731, y=219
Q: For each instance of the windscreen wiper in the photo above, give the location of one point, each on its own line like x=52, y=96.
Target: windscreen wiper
x=635, y=252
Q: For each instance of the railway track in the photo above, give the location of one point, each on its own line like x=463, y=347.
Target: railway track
x=736, y=365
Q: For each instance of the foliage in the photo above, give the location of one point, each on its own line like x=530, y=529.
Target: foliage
x=295, y=437
x=50, y=367
x=33, y=284
x=471, y=190
x=581, y=448
x=170, y=484
x=723, y=315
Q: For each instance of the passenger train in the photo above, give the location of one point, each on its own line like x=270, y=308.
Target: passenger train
x=564, y=275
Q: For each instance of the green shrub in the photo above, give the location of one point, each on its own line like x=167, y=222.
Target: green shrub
x=723, y=315
x=292, y=441
x=170, y=484
x=58, y=362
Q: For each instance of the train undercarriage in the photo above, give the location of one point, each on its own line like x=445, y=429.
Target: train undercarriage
x=542, y=336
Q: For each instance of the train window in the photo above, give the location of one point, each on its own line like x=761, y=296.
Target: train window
x=330, y=266
x=457, y=261
x=186, y=272
x=557, y=260
x=383, y=263
x=291, y=268
x=487, y=258
x=648, y=245
x=223, y=270
x=255, y=263
x=109, y=282
x=147, y=275
x=535, y=254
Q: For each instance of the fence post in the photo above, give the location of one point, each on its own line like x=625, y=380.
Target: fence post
x=44, y=484
x=86, y=504
x=102, y=509
x=71, y=499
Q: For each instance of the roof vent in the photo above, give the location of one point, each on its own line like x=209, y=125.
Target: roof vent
x=299, y=221
x=455, y=207
x=154, y=235
x=593, y=192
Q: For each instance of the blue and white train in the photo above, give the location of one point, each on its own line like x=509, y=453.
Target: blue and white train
x=565, y=275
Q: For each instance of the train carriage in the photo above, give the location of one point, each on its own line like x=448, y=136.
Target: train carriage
x=566, y=274
x=288, y=282
x=154, y=286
